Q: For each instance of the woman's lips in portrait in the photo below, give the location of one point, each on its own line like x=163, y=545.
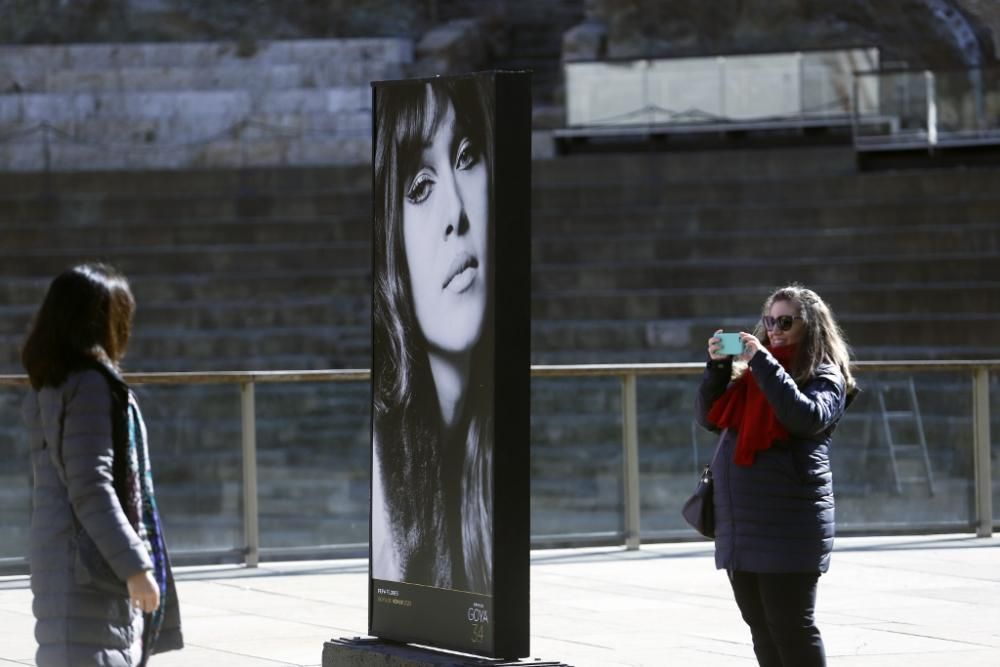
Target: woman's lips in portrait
x=461, y=273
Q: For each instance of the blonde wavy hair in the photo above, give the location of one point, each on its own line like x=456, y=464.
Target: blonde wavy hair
x=823, y=341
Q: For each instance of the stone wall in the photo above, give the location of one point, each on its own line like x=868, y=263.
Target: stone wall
x=59, y=21
x=190, y=105
x=987, y=13
x=905, y=30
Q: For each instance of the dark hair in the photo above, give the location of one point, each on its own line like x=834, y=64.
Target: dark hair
x=419, y=480
x=86, y=317
x=823, y=340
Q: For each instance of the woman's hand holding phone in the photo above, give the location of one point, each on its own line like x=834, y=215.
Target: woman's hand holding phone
x=751, y=346
x=715, y=347
x=741, y=346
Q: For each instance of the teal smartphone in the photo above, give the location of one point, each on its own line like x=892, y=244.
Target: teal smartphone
x=731, y=344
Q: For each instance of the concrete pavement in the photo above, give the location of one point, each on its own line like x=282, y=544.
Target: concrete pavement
x=914, y=601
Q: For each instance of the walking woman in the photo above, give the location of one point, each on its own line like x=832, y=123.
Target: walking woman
x=103, y=591
x=777, y=407
x=432, y=499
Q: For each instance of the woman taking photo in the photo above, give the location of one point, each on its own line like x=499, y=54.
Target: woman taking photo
x=433, y=342
x=777, y=407
x=103, y=591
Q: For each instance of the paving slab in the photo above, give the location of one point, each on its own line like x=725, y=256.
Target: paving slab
x=913, y=601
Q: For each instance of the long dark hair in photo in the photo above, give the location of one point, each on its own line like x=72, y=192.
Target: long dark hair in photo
x=86, y=317
x=438, y=487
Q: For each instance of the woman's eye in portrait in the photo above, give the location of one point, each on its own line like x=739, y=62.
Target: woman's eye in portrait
x=467, y=156
x=420, y=188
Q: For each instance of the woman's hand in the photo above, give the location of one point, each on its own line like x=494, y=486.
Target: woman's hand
x=751, y=346
x=143, y=593
x=714, y=345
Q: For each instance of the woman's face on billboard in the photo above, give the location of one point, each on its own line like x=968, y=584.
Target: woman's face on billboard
x=445, y=234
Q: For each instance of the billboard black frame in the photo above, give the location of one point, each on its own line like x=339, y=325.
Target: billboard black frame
x=410, y=613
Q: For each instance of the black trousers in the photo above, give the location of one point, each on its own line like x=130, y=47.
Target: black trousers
x=780, y=608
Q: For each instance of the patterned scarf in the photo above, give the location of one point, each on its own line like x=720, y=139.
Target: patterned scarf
x=140, y=508
x=745, y=408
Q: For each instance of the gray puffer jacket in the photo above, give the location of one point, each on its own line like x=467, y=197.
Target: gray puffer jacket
x=77, y=623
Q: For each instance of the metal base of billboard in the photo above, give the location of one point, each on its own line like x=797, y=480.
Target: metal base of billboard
x=373, y=652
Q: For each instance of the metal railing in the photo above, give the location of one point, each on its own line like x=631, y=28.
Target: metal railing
x=797, y=88
x=631, y=536
x=928, y=109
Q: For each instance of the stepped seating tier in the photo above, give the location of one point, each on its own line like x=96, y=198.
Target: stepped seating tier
x=268, y=269
x=160, y=106
x=44, y=68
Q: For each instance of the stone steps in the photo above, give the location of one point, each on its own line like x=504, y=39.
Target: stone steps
x=766, y=271
x=114, y=211
x=237, y=75
x=345, y=259
x=944, y=297
x=156, y=106
x=739, y=244
x=332, y=310
x=348, y=240
x=577, y=180
x=188, y=182
x=349, y=232
x=838, y=218
x=184, y=109
x=311, y=347
x=121, y=130
x=725, y=218
x=27, y=60
x=33, y=155
x=590, y=190
x=242, y=284
x=707, y=166
x=689, y=335
x=882, y=350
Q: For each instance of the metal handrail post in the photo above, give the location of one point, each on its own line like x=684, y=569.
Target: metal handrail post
x=800, y=62
x=251, y=527
x=46, y=149
x=981, y=449
x=721, y=62
x=630, y=461
x=932, y=117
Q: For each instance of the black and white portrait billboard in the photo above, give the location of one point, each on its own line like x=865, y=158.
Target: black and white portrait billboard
x=450, y=367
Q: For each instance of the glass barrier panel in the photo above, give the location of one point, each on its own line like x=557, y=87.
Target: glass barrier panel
x=673, y=450
x=576, y=456
x=687, y=90
x=761, y=87
x=827, y=79
x=995, y=446
x=959, y=100
x=313, y=457
x=991, y=100
x=15, y=475
x=882, y=480
x=902, y=106
x=605, y=93
x=902, y=456
x=197, y=460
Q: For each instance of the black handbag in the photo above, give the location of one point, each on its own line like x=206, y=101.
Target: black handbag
x=699, y=510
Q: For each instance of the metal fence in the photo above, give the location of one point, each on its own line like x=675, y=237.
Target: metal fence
x=799, y=89
x=629, y=505
x=928, y=109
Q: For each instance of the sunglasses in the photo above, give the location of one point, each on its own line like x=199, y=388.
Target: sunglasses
x=781, y=322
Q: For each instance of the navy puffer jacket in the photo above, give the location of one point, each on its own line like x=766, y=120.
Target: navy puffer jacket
x=777, y=515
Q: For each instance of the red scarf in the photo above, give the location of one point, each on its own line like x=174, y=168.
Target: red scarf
x=744, y=407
